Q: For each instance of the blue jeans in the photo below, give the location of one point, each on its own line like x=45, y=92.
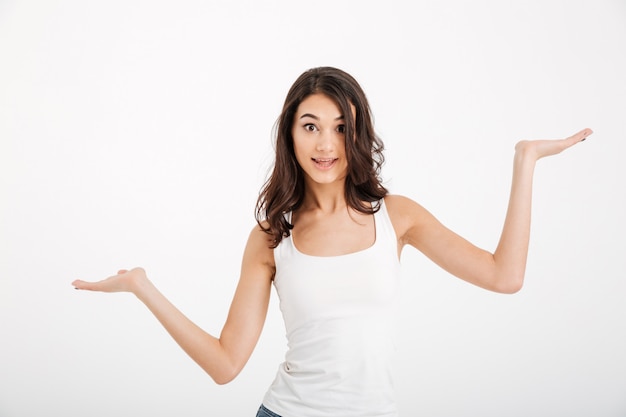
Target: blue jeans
x=264, y=412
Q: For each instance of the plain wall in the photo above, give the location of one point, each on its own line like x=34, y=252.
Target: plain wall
x=138, y=133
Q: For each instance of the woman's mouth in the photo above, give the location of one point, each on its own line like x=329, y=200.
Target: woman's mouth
x=324, y=163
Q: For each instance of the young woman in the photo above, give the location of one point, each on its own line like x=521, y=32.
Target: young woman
x=329, y=238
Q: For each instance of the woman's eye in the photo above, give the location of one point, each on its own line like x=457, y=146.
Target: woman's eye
x=310, y=127
x=341, y=128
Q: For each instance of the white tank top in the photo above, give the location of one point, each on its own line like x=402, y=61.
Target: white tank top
x=340, y=320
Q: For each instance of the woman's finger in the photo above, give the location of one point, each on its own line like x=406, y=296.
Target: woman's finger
x=580, y=136
x=82, y=285
x=124, y=281
x=577, y=138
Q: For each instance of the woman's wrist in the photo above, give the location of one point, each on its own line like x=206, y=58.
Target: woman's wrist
x=525, y=152
x=139, y=284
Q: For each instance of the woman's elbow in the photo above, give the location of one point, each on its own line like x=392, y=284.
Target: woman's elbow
x=224, y=372
x=222, y=381
x=509, y=284
x=224, y=377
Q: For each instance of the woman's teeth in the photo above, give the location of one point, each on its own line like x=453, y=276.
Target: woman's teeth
x=324, y=162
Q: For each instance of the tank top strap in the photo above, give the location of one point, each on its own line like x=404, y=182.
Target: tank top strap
x=385, y=233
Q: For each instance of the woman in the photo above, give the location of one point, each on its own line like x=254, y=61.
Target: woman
x=329, y=238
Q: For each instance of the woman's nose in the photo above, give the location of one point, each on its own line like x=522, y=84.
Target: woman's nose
x=325, y=140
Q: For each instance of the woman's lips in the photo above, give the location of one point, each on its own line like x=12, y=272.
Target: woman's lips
x=324, y=163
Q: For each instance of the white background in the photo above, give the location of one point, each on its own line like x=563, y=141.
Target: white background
x=139, y=133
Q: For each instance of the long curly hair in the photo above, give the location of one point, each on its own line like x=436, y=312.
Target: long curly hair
x=284, y=189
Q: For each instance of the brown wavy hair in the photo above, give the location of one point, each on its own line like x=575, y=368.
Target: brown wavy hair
x=284, y=189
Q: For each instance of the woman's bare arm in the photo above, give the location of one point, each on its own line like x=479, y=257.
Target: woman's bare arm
x=500, y=271
x=224, y=357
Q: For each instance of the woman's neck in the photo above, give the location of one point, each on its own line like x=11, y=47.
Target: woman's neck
x=327, y=198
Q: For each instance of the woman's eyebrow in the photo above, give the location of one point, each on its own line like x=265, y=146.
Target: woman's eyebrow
x=312, y=116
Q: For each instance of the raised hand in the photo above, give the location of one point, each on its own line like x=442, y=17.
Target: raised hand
x=124, y=281
x=537, y=149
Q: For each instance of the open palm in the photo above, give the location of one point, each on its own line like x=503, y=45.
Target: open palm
x=545, y=147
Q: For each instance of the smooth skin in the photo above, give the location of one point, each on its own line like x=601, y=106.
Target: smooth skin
x=319, y=143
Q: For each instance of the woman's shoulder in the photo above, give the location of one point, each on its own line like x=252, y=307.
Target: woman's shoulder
x=259, y=245
x=399, y=204
x=404, y=213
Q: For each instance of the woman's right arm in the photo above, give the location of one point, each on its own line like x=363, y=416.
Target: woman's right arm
x=224, y=357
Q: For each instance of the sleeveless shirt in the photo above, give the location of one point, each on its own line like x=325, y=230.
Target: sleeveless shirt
x=340, y=320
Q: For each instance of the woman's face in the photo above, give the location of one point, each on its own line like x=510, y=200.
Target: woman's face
x=318, y=133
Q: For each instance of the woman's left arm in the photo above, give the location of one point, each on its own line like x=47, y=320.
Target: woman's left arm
x=500, y=271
